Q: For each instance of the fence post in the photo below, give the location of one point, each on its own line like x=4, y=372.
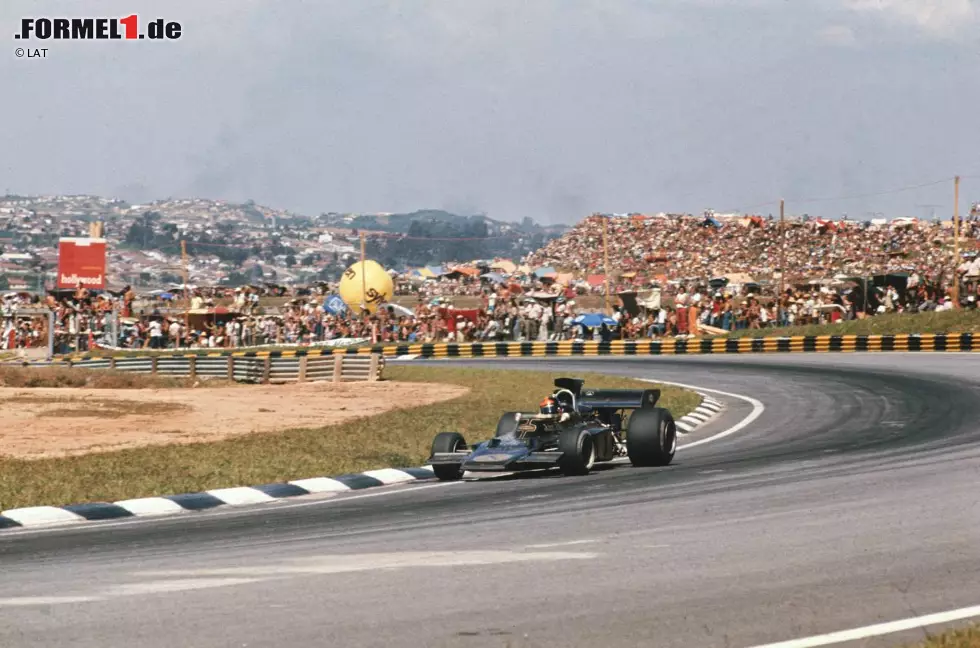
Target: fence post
x=112, y=362
x=266, y=370
x=338, y=367
x=153, y=365
x=373, y=367
x=301, y=377
x=50, y=335
x=231, y=367
x=192, y=367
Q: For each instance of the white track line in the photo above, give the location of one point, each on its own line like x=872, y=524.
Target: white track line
x=757, y=409
x=878, y=629
x=96, y=525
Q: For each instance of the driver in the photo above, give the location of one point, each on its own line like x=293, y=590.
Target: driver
x=552, y=407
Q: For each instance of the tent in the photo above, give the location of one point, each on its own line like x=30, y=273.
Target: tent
x=504, y=266
x=463, y=271
x=565, y=278
x=433, y=271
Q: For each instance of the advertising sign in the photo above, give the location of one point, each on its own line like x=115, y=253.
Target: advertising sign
x=81, y=260
x=335, y=305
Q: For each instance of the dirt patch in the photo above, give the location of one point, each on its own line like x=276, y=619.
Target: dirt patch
x=54, y=422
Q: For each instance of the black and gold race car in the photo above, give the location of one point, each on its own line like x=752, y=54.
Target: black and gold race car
x=573, y=429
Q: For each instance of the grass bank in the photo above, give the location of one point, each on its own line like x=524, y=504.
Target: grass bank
x=965, y=638
x=963, y=321
x=395, y=438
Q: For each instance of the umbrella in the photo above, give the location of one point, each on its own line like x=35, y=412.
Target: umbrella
x=593, y=320
x=494, y=277
x=400, y=310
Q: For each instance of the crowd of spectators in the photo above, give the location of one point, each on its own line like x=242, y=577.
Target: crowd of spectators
x=83, y=322
x=675, y=256
x=689, y=247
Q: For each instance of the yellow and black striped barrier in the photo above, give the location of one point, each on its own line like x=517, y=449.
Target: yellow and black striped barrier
x=799, y=344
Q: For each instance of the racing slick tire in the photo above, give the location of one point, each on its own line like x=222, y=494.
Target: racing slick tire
x=448, y=442
x=651, y=437
x=578, y=452
x=507, y=425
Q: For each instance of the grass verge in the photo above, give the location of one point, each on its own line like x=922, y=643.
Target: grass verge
x=395, y=438
x=965, y=638
x=963, y=321
x=26, y=377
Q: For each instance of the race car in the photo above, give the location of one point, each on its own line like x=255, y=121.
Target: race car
x=573, y=429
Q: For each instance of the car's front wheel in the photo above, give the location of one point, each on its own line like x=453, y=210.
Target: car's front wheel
x=448, y=442
x=578, y=452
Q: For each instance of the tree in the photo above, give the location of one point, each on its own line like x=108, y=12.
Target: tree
x=138, y=235
x=290, y=260
x=236, y=279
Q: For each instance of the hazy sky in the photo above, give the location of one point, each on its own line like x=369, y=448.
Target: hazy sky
x=543, y=108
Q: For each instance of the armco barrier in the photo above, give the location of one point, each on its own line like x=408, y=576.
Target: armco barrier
x=268, y=368
x=799, y=344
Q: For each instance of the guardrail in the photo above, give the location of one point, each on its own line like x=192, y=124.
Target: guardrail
x=797, y=344
x=267, y=369
x=926, y=342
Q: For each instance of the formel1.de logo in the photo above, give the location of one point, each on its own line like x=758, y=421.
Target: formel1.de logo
x=127, y=28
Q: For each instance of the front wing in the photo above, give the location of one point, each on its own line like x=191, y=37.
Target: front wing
x=495, y=461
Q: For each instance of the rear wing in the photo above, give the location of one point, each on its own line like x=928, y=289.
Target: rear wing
x=618, y=398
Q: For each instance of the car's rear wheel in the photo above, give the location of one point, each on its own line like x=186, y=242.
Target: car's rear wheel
x=448, y=442
x=578, y=452
x=651, y=437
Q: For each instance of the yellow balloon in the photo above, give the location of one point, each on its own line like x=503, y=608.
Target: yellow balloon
x=370, y=286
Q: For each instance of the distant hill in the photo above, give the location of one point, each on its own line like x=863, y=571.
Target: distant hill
x=434, y=236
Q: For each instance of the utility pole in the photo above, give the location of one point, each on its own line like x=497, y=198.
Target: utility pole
x=363, y=276
x=782, y=247
x=956, y=241
x=605, y=255
x=187, y=292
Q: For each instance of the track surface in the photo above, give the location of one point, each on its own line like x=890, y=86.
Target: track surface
x=852, y=500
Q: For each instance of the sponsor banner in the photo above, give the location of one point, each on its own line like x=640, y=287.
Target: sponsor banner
x=81, y=260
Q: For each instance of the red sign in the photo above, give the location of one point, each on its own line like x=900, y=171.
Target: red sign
x=81, y=260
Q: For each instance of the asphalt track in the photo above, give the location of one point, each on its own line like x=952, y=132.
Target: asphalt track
x=853, y=499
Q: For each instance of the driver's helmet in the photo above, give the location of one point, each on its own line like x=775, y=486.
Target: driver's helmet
x=549, y=406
